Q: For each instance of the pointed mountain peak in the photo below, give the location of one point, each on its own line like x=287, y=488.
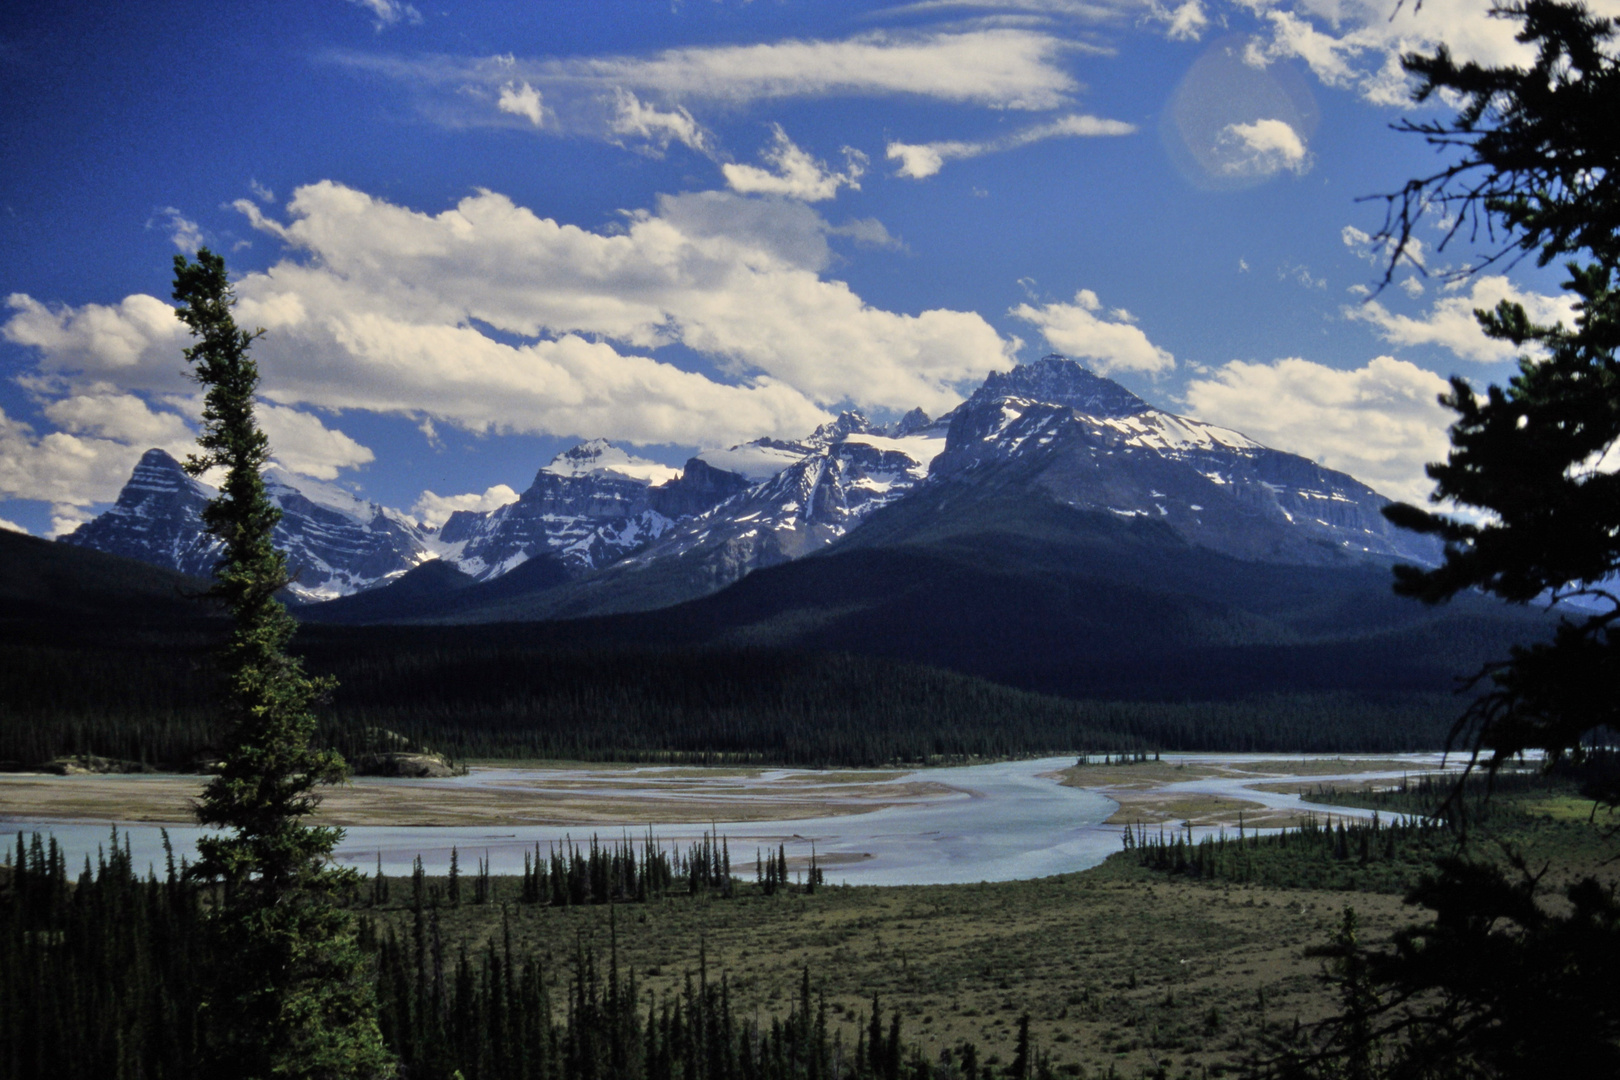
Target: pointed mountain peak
x=159, y=459
x=159, y=472
x=912, y=422
x=848, y=423
x=600, y=456
x=1057, y=380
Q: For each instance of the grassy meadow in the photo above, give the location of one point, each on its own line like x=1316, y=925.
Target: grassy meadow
x=1123, y=969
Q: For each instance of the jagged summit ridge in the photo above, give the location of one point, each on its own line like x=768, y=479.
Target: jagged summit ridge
x=1057, y=380
x=1057, y=429
x=1050, y=430
x=157, y=519
x=847, y=469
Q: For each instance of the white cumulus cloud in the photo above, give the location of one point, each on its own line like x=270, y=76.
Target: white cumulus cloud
x=1451, y=324
x=1182, y=22
x=521, y=100
x=135, y=342
x=1381, y=423
x=1358, y=43
x=434, y=510
x=104, y=412
x=1263, y=148
x=794, y=173
x=379, y=307
x=660, y=127
x=301, y=443
x=1108, y=339
x=66, y=469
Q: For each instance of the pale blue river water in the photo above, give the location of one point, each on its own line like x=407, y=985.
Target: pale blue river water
x=1000, y=822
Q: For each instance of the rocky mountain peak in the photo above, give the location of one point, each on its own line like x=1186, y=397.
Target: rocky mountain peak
x=914, y=421
x=600, y=456
x=836, y=431
x=158, y=470
x=1057, y=380
x=157, y=519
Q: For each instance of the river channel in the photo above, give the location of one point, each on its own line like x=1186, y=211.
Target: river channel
x=995, y=822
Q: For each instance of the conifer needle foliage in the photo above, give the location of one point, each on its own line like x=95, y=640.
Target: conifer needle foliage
x=288, y=995
x=1539, y=171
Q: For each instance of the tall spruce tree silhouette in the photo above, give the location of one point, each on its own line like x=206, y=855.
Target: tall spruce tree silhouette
x=1498, y=983
x=1539, y=172
x=288, y=994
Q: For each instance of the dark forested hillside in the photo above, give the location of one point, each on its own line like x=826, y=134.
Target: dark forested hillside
x=1085, y=605
x=839, y=659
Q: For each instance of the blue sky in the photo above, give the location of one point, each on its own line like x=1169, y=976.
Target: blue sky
x=478, y=234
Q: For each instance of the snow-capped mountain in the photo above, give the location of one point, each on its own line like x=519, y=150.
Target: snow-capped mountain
x=157, y=519
x=808, y=495
x=338, y=544
x=589, y=507
x=1049, y=430
x=335, y=543
x=1084, y=441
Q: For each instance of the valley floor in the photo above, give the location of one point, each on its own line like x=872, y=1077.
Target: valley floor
x=1122, y=969
x=1114, y=967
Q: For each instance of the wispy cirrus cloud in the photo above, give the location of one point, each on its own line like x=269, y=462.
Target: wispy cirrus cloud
x=619, y=95
x=184, y=234
x=1089, y=11
x=1001, y=68
x=922, y=160
x=386, y=13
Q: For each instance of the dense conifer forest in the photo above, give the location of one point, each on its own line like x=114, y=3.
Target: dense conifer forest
x=97, y=981
x=145, y=697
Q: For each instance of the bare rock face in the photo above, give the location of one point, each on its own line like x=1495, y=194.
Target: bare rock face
x=591, y=506
x=847, y=468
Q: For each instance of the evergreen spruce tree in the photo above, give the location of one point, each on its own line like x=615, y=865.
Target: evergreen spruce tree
x=1498, y=984
x=289, y=994
x=1540, y=168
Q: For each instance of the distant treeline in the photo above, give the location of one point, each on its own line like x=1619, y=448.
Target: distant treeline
x=1482, y=798
x=1380, y=855
x=1428, y=816
x=99, y=977
x=489, y=693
